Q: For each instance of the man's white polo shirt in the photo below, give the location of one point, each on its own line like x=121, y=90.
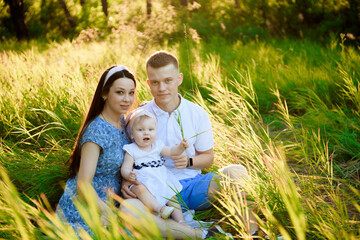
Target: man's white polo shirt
x=194, y=120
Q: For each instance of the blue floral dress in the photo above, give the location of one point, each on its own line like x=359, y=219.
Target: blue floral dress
x=107, y=174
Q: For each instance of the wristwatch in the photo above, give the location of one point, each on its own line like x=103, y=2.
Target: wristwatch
x=190, y=162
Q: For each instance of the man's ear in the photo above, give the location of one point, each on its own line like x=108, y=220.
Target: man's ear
x=181, y=78
x=148, y=82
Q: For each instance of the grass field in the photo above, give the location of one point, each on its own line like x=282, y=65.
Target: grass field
x=287, y=109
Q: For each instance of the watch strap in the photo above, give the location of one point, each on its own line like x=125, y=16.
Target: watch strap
x=190, y=161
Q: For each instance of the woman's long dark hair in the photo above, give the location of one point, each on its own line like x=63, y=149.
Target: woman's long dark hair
x=96, y=107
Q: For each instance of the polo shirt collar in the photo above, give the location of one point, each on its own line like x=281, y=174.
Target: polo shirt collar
x=158, y=111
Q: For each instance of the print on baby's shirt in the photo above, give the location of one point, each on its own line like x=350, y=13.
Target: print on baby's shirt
x=153, y=164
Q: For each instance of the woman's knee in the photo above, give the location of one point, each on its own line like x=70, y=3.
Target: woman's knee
x=129, y=205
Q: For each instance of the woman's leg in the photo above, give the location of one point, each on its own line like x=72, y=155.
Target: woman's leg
x=133, y=208
x=146, y=197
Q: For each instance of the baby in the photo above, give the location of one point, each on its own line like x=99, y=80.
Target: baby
x=142, y=162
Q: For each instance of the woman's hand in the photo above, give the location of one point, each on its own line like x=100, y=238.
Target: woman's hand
x=125, y=191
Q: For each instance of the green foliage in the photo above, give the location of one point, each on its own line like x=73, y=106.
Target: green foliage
x=47, y=19
x=286, y=109
x=321, y=95
x=91, y=16
x=294, y=204
x=249, y=20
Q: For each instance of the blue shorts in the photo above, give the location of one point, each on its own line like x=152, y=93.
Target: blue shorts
x=194, y=192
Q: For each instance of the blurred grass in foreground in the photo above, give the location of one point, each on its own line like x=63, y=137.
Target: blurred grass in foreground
x=288, y=110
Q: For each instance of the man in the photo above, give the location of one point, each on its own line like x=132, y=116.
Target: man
x=178, y=118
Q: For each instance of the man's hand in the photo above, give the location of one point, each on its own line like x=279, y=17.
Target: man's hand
x=184, y=144
x=181, y=161
x=126, y=192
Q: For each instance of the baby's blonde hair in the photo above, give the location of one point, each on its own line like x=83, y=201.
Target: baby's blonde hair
x=133, y=116
x=140, y=119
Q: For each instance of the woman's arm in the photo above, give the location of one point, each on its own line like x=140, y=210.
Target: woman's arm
x=127, y=168
x=89, y=157
x=88, y=161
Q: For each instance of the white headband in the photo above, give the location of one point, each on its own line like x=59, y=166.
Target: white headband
x=135, y=114
x=114, y=70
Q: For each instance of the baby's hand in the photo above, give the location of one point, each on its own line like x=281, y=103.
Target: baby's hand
x=132, y=176
x=184, y=144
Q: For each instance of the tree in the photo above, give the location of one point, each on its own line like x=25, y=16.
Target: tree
x=104, y=7
x=17, y=12
x=148, y=8
x=236, y=3
x=183, y=3
x=69, y=18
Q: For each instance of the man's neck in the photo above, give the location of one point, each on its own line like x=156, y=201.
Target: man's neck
x=170, y=107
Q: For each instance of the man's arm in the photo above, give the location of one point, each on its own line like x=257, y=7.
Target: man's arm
x=201, y=160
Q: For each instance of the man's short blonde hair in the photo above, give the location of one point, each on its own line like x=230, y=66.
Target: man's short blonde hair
x=160, y=59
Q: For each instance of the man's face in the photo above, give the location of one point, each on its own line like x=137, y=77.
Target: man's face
x=164, y=83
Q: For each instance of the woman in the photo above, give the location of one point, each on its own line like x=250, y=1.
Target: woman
x=98, y=152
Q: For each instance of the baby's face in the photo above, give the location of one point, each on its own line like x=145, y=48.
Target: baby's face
x=144, y=133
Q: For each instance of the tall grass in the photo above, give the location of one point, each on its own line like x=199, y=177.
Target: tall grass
x=295, y=205
x=20, y=220
x=287, y=110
